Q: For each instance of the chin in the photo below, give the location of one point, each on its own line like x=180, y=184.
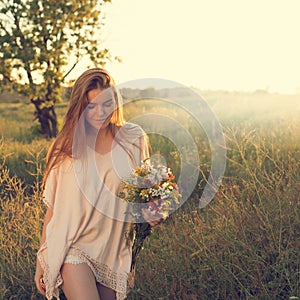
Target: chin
x=98, y=126
x=104, y=126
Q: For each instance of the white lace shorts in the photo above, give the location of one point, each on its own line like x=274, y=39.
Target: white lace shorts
x=102, y=273
x=73, y=257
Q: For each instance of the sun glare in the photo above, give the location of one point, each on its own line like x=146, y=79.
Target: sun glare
x=228, y=45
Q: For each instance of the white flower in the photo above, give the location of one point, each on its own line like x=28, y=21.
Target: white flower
x=165, y=184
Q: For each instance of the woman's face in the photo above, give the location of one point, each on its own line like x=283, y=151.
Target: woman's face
x=100, y=108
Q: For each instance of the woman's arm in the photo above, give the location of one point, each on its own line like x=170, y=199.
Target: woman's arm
x=39, y=271
x=47, y=219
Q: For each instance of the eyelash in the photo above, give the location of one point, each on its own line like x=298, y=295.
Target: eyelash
x=92, y=105
x=109, y=104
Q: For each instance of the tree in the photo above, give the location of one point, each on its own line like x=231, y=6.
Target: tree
x=37, y=40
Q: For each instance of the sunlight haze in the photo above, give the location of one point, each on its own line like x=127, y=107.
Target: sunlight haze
x=229, y=45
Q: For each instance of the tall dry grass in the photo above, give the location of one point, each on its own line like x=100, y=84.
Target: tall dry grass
x=20, y=227
x=243, y=245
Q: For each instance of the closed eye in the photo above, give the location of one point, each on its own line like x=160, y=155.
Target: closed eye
x=108, y=103
x=91, y=105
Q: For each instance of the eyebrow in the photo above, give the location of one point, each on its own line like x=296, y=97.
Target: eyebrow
x=94, y=101
x=109, y=100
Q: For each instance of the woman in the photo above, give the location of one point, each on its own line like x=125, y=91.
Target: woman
x=85, y=247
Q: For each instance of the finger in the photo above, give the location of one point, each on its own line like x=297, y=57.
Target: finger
x=39, y=287
x=150, y=218
x=41, y=291
x=154, y=223
x=147, y=215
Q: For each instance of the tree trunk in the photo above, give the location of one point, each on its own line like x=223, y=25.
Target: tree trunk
x=47, y=117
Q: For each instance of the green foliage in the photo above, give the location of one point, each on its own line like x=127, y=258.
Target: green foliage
x=37, y=39
x=20, y=141
x=41, y=42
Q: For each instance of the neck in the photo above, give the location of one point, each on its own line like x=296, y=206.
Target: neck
x=100, y=135
x=103, y=133
x=104, y=140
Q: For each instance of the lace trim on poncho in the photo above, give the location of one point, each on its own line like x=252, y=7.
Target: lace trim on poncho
x=51, y=290
x=102, y=273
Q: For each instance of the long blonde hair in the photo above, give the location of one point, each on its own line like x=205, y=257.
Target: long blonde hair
x=62, y=147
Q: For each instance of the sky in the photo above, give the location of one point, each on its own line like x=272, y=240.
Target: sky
x=209, y=44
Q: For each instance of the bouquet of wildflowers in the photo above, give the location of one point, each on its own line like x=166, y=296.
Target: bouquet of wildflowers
x=154, y=186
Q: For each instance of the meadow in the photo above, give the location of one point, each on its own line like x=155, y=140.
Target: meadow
x=243, y=245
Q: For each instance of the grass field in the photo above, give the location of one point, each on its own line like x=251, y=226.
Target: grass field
x=243, y=245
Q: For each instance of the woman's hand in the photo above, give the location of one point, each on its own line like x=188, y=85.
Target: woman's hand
x=38, y=279
x=153, y=220
x=39, y=272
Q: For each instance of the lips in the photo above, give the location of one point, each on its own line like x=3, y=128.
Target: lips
x=99, y=120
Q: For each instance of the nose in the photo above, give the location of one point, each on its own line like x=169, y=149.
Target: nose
x=99, y=111
x=104, y=112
